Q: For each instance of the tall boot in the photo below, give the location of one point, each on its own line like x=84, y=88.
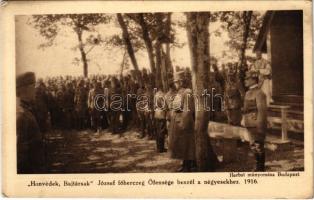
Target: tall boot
x=188, y=166
x=259, y=162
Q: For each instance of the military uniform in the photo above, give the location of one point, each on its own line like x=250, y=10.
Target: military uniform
x=80, y=100
x=30, y=145
x=160, y=120
x=233, y=103
x=255, y=120
x=263, y=68
x=41, y=107
x=149, y=113
x=140, y=111
x=233, y=93
x=68, y=107
x=115, y=89
x=181, y=139
x=95, y=112
x=181, y=127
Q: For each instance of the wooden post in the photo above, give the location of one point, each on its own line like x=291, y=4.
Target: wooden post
x=284, y=133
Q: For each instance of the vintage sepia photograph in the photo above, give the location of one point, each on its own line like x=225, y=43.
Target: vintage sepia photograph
x=157, y=99
x=160, y=92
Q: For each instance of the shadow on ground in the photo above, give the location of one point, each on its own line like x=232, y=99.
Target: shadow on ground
x=89, y=152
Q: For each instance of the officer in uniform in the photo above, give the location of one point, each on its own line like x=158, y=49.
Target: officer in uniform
x=30, y=148
x=255, y=117
x=140, y=110
x=160, y=119
x=92, y=105
x=115, y=90
x=233, y=93
x=262, y=66
x=68, y=105
x=149, y=112
x=41, y=106
x=181, y=138
x=80, y=100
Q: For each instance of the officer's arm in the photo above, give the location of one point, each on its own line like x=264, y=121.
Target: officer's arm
x=261, y=121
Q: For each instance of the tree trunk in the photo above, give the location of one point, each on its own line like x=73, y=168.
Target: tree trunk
x=198, y=38
x=127, y=41
x=158, y=51
x=164, y=71
x=169, y=66
x=148, y=42
x=158, y=79
x=83, y=54
x=247, y=15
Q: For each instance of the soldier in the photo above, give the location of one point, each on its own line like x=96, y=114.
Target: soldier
x=114, y=92
x=30, y=148
x=169, y=97
x=181, y=138
x=149, y=111
x=134, y=88
x=68, y=105
x=80, y=100
x=160, y=119
x=41, y=106
x=92, y=105
x=263, y=67
x=255, y=117
x=140, y=110
x=233, y=93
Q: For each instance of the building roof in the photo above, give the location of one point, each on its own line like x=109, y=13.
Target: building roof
x=260, y=44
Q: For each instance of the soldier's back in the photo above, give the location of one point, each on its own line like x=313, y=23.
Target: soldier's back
x=29, y=142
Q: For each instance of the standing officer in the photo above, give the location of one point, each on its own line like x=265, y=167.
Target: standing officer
x=233, y=93
x=255, y=117
x=114, y=92
x=80, y=100
x=41, y=106
x=181, y=138
x=92, y=105
x=149, y=111
x=30, y=148
x=262, y=66
x=160, y=119
x=140, y=105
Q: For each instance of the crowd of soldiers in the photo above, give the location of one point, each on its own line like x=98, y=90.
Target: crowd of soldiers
x=69, y=103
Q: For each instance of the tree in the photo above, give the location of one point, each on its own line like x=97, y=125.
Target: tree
x=242, y=28
x=148, y=41
x=150, y=32
x=155, y=30
x=247, y=16
x=49, y=27
x=198, y=39
x=127, y=41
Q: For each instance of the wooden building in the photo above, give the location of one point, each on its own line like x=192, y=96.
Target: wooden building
x=281, y=38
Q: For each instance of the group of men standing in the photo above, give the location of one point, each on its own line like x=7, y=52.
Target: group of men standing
x=72, y=103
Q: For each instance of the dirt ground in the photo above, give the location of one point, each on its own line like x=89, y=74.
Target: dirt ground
x=89, y=152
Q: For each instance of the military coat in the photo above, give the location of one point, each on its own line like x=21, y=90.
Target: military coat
x=181, y=129
x=255, y=113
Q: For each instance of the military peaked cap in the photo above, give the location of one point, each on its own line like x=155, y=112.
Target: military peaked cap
x=25, y=79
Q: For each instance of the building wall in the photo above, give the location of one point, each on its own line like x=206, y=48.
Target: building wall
x=286, y=40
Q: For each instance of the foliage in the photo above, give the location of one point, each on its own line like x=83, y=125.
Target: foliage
x=233, y=23
x=49, y=26
x=155, y=28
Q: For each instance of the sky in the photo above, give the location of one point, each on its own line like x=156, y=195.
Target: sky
x=58, y=59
